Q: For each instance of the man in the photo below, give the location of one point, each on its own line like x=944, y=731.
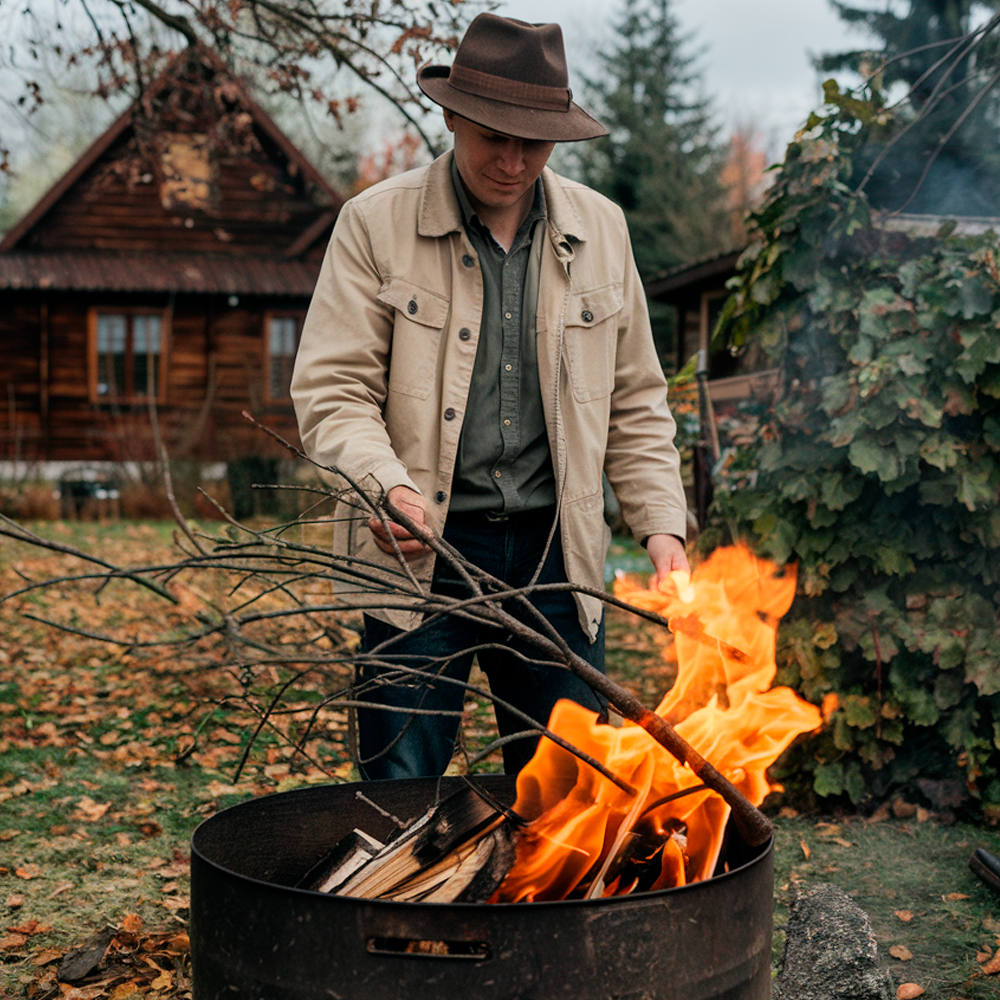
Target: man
x=477, y=351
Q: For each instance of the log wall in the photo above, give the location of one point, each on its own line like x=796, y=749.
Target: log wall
x=214, y=368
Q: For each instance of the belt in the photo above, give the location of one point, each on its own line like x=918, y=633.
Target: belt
x=500, y=517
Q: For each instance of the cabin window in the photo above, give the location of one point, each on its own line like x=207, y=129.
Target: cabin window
x=282, y=338
x=126, y=350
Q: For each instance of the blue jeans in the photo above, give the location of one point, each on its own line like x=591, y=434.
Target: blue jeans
x=401, y=744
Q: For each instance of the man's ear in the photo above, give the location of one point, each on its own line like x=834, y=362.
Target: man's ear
x=449, y=120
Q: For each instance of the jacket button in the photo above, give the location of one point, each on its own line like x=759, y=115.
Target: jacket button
x=587, y=316
x=411, y=307
x=440, y=496
x=449, y=414
x=465, y=333
x=468, y=260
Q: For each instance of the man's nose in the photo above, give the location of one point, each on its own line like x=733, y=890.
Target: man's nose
x=512, y=156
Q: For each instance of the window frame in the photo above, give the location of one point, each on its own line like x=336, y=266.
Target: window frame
x=93, y=363
x=299, y=316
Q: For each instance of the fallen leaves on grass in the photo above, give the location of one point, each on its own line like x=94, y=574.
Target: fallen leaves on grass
x=905, y=915
x=122, y=962
x=909, y=991
x=991, y=967
x=901, y=952
x=90, y=811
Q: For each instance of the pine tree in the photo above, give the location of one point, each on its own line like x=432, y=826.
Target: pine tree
x=661, y=160
x=944, y=155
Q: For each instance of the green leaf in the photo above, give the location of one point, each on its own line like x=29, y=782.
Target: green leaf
x=844, y=428
x=855, y=784
x=975, y=488
x=893, y=560
x=838, y=489
x=948, y=690
x=909, y=365
x=976, y=297
x=940, y=452
x=860, y=711
x=869, y=456
x=828, y=779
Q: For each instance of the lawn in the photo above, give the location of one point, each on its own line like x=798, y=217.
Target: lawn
x=110, y=754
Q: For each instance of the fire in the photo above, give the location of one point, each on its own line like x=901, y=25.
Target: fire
x=588, y=837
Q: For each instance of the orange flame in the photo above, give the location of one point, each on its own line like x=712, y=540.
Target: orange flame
x=724, y=619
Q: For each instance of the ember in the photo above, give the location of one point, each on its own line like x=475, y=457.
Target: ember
x=586, y=836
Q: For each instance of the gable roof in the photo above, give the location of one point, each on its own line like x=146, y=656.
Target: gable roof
x=289, y=232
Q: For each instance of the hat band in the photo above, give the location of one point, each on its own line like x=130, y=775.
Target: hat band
x=499, y=88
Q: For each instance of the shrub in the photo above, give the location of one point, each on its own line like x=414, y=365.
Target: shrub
x=877, y=469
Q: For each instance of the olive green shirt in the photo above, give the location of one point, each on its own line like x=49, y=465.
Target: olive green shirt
x=503, y=463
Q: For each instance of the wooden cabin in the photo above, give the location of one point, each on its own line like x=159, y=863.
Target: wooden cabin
x=164, y=278
x=697, y=292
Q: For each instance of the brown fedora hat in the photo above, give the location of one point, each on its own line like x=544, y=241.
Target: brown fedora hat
x=511, y=76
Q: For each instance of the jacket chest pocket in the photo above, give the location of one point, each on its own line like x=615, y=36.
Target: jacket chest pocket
x=591, y=338
x=420, y=318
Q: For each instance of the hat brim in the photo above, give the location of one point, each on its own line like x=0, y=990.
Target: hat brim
x=510, y=119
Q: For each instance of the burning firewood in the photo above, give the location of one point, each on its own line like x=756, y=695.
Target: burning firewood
x=458, y=851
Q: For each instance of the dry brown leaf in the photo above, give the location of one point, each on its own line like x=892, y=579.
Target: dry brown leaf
x=881, y=814
x=923, y=815
x=131, y=923
x=162, y=982
x=14, y=900
x=11, y=941
x=909, y=991
x=60, y=887
x=905, y=915
x=28, y=871
x=992, y=966
x=951, y=897
x=46, y=955
x=842, y=841
x=805, y=849
x=8, y=834
x=90, y=811
x=901, y=952
x=179, y=944
x=984, y=956
x=124, y=991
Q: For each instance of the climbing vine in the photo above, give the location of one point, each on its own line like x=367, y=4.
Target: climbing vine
x=877, y=469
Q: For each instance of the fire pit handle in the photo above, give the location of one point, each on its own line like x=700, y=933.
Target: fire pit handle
x=406, y=947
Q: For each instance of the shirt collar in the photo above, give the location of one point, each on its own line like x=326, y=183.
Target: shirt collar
x=439, y=212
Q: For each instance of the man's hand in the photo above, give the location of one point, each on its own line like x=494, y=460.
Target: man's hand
x=410, y=503
x=666, y=552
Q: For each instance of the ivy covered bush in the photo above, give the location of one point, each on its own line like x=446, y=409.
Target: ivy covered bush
x=877, y=469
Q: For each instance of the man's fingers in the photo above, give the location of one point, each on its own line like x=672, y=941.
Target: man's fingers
x=404, y=540
x=379, y=529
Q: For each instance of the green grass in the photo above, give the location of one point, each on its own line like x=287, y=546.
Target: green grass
x=913, y=881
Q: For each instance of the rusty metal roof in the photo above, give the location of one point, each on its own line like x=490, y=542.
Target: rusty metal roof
x=106, y=271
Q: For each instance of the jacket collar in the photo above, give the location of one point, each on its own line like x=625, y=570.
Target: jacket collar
x=441, y=214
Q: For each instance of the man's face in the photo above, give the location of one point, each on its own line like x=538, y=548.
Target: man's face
x=499, y=170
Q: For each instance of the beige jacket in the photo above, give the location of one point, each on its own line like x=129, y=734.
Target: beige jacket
x=383, y=369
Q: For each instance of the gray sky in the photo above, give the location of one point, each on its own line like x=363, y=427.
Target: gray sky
x=754, y=53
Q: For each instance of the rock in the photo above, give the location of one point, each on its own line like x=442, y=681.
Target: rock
x=830, y=951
